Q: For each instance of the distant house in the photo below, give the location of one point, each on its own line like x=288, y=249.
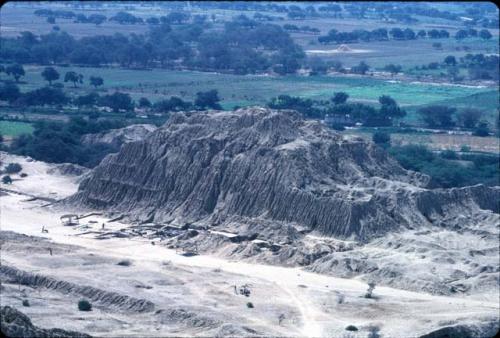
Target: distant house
x=338, y=119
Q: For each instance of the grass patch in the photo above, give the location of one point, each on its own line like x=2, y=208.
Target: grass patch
x=13, y=128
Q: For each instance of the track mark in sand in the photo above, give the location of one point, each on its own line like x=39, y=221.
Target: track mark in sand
x=310, y=326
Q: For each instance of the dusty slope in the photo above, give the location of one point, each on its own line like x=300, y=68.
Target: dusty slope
x=196, y=295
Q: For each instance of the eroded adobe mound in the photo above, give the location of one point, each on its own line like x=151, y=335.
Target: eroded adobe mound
x=259, y=164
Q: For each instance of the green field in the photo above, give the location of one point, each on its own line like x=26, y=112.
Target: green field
x=257, y=90
x=12, y=128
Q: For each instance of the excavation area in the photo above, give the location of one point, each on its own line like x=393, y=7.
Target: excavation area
x=53, y=258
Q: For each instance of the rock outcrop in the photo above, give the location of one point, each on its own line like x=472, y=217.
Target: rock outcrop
x=14, y=323
x=117, y=137
x=68, y=169
x=254, y=164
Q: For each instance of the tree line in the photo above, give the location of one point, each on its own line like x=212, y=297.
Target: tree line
x=387, y=112
x=244, y=46
x=479, y=66
x=396, y=33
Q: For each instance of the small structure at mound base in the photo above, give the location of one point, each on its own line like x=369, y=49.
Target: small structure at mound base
x=69, y=219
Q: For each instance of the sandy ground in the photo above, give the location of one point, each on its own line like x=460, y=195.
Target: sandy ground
x=313, y=305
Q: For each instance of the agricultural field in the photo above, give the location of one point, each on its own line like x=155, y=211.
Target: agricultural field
x=377, y=54
x=13, y=128
x=19, y=17
x=251, y=90
x=437, y=142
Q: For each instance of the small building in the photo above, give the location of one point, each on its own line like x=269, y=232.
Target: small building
x=69, y=219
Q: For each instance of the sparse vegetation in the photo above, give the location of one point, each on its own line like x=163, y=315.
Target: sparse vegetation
x=447, y=172
x=124, y=262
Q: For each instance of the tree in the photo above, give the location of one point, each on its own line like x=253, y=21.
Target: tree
x=73, y=77
x=16, y=70
x=340, y=97
x=461, y=34
x=393, y=69
x=469, y=117
x=482, y=129
x=144, y=103
x=409, y=34
x=9, y=92
x=397, y=34
x=317, y=65
x=209, y=99
x=96, y=19
x=44, y=96
x=96, y=81
x=485, y=34
x=153, y=21
x=437, y=116
x=117, y=101
x=450, y=60
x=453, y=72
x=381, y=138
x=50, y=74
x=361, y=68
x=173, y=104
x=6, y=179
x=421, y=34
x=87, y=100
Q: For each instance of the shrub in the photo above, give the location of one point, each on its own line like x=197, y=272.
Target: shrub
x=449, y=154
x=351, y=328
x=6, y=179
x=23, y=175
x=13, y=168
x=124, y=262
x=381, y=138
x=26, y=303
x=482, y=129
x=84, y=305
x=369, y=292
x=250, y=305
